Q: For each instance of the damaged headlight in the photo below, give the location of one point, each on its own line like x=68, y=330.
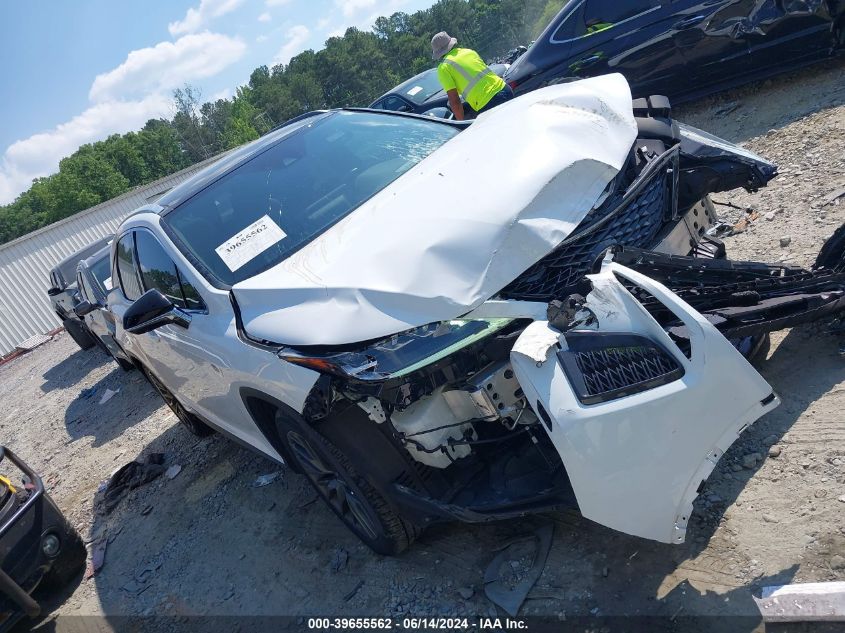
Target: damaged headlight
x=400, y=354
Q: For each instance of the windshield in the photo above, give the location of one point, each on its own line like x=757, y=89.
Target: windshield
x=421, y=88
x=262, y=211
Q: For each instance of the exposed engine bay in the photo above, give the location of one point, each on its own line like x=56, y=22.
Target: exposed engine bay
x=581, y=383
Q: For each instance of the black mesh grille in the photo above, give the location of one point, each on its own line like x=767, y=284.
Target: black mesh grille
x=604, y=367
x=633, y=221
x=611, y=369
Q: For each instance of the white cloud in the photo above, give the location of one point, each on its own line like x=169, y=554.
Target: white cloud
x=226, y=93
x=277, y=3
x=167, y=65
x=195, y=19
x=39, y=154
x=353, y=7
x=296, y=38
x=261, y=38
x=122, y=99
x=265, y=17
x=361, y=14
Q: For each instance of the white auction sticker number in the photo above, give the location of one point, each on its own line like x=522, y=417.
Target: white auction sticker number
x=250, y=243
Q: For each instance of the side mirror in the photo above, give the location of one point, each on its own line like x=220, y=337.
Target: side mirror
x=85, y=307
x=54, y=291
x=152, y=310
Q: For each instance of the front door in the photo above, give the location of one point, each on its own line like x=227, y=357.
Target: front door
x=628, y=38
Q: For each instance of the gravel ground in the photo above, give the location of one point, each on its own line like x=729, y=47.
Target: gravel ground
x=209, y=541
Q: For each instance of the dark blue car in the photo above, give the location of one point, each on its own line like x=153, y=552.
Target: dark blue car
x=680, y=48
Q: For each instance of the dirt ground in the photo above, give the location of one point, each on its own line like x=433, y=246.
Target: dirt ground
x=209, y=541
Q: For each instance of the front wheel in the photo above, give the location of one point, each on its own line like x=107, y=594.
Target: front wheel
x=355, y=502
x=191, y=422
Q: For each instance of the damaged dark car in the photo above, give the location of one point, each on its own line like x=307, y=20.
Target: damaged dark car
x=681, y=48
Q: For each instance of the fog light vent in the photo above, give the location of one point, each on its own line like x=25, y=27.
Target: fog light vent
x=603, y=367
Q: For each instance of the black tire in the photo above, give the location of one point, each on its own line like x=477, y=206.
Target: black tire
x=69, y=563
x=350, y=496
x=79, y=333
x=191, y=422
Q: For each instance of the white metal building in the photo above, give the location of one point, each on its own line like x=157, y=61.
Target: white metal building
x=25, y=263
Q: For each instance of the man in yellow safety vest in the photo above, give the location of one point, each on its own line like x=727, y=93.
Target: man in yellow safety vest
x=465, y=76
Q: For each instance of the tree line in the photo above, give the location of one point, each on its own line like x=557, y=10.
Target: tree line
x=352, y=70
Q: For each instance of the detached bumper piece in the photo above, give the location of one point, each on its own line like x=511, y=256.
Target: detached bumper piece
x=742, y=298
x=639, y=423
x=34, y=537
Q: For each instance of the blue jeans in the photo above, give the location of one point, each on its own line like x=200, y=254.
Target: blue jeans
x=505, y=94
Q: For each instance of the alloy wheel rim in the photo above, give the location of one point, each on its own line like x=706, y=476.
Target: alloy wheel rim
x=333, y=486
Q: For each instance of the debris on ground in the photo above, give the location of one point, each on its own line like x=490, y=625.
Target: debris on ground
x=266, y=480
x=743, y=223
x=97, y=557
x=339, y=559
x=130, y=476
x=833, y=198
x=351, y=594
x=516, y=568
x=108, y=394
x=172, y=471
x=803, y=602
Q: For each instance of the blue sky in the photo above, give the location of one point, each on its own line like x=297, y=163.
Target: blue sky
x=75, y=72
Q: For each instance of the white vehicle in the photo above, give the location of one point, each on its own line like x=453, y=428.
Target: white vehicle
x=433, y=321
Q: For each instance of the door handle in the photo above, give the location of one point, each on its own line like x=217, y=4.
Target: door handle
x=592, y=60
x=688, y=23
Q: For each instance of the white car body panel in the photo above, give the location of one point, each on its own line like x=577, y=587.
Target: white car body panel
x=445, y=236
x=207, y=364
x=636, y=463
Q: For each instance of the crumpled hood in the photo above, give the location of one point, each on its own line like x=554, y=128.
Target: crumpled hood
x=457, y=228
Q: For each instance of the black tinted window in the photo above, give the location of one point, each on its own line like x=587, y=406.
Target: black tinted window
x=256, y=215
x=392, y=103
x=193, y=301
x=604, y=13
x=157, y=269
x=101, y=272
x=129, y=282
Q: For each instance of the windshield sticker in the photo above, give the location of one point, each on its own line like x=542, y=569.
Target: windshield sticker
x=107, y=283
x=415, y=90
x=245, y=246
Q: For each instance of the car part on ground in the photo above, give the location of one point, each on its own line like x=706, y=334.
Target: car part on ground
x=38, y=547
x=684, y=49
x=423, y=362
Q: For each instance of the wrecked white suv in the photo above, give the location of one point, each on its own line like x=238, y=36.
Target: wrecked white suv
x=434, y=320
